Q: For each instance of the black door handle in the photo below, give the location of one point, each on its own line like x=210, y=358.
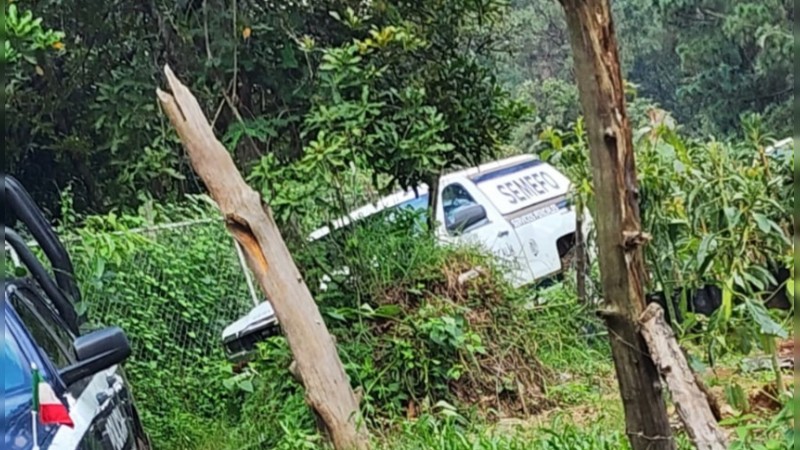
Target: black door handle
x=503, y=233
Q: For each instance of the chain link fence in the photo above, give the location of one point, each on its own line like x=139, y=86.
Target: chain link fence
x=187, y=279
x=173, y=289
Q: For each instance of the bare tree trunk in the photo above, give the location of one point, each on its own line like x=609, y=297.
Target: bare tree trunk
x=619, y=235
x=689, y=398
x=250, y=221
x=580, y=255
x=433, y=201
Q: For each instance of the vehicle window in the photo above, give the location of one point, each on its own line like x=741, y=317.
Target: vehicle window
x=454, y=198
x=417, y=204
x=47, y=331
x=15, y=373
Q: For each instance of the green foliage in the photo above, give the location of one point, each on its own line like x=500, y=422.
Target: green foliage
x=569, y=150
x=777, y=433
x=407, y=333
x=736, y=57
x=448, y=433
x=172, y=292
x=707, y=61
x=328, y=104
x=270, y=81
x=24, y=38
x=556, y=104
x=719, y=213
x=396, y=107
x=407, y=320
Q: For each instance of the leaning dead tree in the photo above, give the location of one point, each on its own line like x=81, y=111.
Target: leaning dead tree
x=687, y=394
x=619, y=235
x=250, y=221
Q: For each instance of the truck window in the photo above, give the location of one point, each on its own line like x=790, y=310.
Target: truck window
x=15, y=373
x=454, y=197
x=46, y=330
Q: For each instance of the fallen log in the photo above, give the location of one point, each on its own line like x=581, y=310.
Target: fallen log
x=689, y=399
x=249, y=220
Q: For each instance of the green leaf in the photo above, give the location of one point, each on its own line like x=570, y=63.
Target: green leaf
x=732, y=215
x=288, y=60
x=727, y=300
x=335, y=315
x=762, y=318
x=247, y=385
x=763, y=222
x=388, y=311
x=736, y=397
x=704, y=253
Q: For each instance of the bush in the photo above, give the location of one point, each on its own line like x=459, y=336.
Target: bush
x=412, y=334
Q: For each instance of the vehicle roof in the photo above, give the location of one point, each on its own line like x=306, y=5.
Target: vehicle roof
x=400, y=197
x=484, y=169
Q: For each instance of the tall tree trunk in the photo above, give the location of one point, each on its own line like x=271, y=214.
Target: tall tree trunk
x=619, y=235
x=251, y=223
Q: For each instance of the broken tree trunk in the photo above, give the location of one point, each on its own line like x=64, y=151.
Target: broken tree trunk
x=619, y=236
x=690, y=400
x=250, y=221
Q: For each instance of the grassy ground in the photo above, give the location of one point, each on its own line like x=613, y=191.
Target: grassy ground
x=584, y=412
x=588, y=416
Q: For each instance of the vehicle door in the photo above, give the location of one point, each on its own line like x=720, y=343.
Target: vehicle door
x=459, y=215
x=534, y=198
x=99, y=404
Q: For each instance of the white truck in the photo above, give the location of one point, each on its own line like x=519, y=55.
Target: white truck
x=519, y=208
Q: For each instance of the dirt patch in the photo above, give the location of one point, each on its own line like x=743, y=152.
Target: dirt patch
x=765, y=399
x=507, y=379
x=506, y=384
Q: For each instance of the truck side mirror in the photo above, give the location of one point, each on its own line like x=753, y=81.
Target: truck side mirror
x=465, y=217
x=97, y=351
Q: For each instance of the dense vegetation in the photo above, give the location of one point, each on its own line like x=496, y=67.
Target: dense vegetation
x=325, y=105
x=81, y=110
x=454, y=358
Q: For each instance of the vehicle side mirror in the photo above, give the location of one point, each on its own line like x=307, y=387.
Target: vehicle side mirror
x=97, y=351
x=467, y=216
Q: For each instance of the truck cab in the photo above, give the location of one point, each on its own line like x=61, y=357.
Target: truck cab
x=518, y=208
x=41, y=329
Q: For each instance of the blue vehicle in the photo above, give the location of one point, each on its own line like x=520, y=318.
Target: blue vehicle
x=41, y=328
